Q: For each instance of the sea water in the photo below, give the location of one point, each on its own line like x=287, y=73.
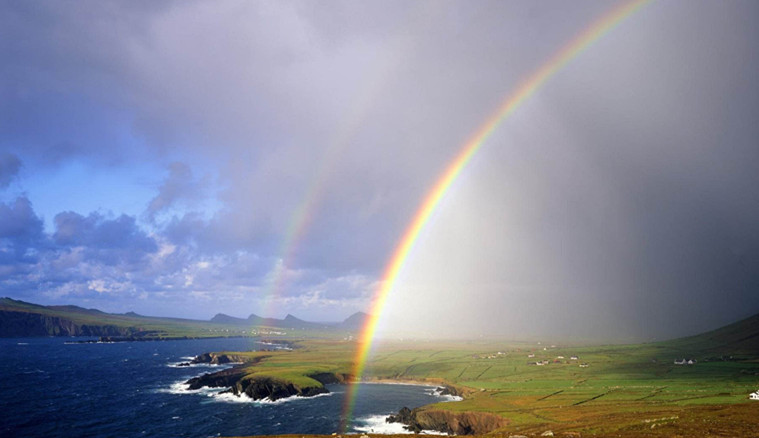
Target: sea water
x=56, y=387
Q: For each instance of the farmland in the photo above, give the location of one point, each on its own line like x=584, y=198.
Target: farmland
x=624, y=390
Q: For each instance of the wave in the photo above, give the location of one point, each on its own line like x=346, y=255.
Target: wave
x=377, y=424
x=181, y=387
x=231, y=398
x=437, y=392
x=276, y=345
x=201, y=365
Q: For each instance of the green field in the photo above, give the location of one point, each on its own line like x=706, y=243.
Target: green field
x=625, y=390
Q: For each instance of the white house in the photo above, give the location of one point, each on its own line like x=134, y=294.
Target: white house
x=754, y=395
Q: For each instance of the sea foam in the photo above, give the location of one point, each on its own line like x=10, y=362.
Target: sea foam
x=437, y=392
x=377, y=424
x=243, y=398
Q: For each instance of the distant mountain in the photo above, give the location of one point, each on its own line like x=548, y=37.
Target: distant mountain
x=256, y=320
x=19, y=319
x=221, y=318
x=355, y=321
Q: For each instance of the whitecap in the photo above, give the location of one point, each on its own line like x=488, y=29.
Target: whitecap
x=202, y=365
x=377, y=424
x=243, y=398
x=182, y=387
x=437, y=392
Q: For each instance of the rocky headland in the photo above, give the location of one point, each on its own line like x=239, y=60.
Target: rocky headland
x=242, y=381
x=22, y=324
x=449, y=422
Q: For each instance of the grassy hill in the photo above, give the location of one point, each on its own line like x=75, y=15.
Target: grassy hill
x=739, y=338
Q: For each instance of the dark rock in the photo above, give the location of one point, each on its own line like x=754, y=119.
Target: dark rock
x=448, y=390
x=449, y=422
x=404, y=416
x=213, y=358
x=224, y=378
x=258, y=388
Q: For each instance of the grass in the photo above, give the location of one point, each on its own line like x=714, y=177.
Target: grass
x=622, y=388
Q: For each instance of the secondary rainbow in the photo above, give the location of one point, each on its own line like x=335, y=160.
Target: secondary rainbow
x=595, y=31
x=350, y=128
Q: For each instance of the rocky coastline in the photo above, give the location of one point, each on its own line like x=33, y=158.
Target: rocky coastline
x=448, y=422
x=240, y=382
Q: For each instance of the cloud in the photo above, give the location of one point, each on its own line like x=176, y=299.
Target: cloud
x=96, y=231
x=20, y=228
x=179, y=186
x=9, y=167
x=620, y=190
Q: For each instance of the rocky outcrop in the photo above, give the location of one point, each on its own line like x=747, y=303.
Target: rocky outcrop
x=458, y=423
x=264, y=387
x=17, y=324
x=450, y=390
x=221, y=379
x=258, y=387
x=220, y=358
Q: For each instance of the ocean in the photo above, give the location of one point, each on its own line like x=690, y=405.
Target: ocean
x=54, y=387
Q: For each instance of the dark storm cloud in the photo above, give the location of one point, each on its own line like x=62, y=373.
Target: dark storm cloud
x=618, y=199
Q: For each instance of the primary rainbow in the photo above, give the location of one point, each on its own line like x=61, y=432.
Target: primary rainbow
x=526, y=89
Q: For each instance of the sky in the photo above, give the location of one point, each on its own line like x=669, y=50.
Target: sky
x=189, y=158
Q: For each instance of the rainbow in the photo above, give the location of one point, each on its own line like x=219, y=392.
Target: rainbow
x=595, y=31
x=305, y=212
x=311, y=200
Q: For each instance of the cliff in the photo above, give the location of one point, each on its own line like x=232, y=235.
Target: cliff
x=240, y=380
x=18, y=324
x=450, y=422
x=222, y=358
x=272, y=388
